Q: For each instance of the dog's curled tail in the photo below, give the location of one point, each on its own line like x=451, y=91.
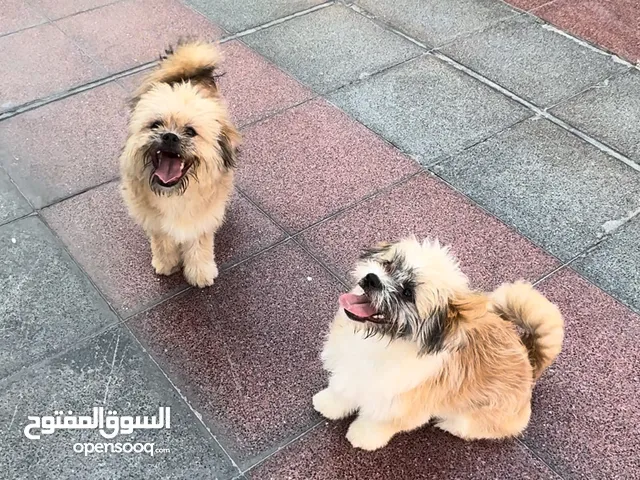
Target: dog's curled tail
x=189, y=60
x=540, y=319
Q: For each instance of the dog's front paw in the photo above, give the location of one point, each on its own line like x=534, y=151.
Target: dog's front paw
x=201, y=275
x=368, y=435
x=327, y=404
x=163, y=266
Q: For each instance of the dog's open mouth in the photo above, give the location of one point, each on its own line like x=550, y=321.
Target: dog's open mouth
x=169, y=168
x=359, y=308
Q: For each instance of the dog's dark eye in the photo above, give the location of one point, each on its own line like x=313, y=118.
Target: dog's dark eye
x=156, y=124
x=190, y=132
x=407, y=294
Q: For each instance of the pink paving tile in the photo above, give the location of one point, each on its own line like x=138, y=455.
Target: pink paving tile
x=427, y=453
x=55, y=9
x=129, y=33
x=18, y=14
x=115, y=253
x=253, y=87
x=131, y=82
x=489, y=251
x=586, y=408
x=38, y=62
x=246, y=352
x=67, y=146
x=312, y=160
x=612, y=24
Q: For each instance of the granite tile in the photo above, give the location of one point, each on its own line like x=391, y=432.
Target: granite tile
x=12, y=203
x=610, y=24
x=609, y=113
x=615, y=264
x=246, y=351
x=557, y=190
x=255, y=88
x=39, y=62
x=116, y=253
x=55, y=9
x=490, y=253
x=47, y=303
x=423, y=454
x=113, y=372
x=533, y=61
x=236, y=16
x=17, y=15
x=437, y=22
x=67, y=146
x=311, y=160
x=331, y=47
x=129, y=33
x=428, y=109
x=586, y=408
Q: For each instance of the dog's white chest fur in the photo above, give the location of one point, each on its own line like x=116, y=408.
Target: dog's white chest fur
x=373, y=370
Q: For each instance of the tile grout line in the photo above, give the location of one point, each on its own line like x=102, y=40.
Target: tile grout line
x=39, y=102
x=537, y=456
x=280, y=20
x=537, y=110
x=185, y=400
x=504, y=91
x=293, y=440
x=124, y=323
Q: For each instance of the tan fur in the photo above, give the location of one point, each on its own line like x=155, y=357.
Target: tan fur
x=181, y=227
x=477, y=386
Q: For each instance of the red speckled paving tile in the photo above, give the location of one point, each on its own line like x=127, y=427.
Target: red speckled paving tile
x=253, y=87
x=129, y=33
x=38, y=62
x=528, y=4
x=66, y=146
x=427, y=453
x=55, y=9
x=586, y=408
x=115, y=253
x=246, y=352
x=312, y=160
x=490, y=252
x=612, y=24
x=18, y=14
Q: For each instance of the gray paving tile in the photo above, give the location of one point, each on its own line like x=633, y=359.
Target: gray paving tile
x=113, y=372
x=12, y=203
x=609, y=112
x=235, y=16
x=615, y=264
x=437, y=22
x=554, y=188
x=427, y=108
x=46, y=303
x=533, y=61
x=331, y=47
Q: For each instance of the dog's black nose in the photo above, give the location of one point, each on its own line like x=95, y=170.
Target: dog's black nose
x=370, y=281
x=171, y=139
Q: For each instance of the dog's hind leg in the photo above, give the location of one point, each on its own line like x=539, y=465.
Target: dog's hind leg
x=200, y=267
x=165, y=254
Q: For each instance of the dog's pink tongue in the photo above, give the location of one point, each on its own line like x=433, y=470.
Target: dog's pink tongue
x=169, y=169
x=359, y=305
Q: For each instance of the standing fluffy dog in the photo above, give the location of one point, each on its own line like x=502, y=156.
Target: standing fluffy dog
x=412, y=343
x=177, y=164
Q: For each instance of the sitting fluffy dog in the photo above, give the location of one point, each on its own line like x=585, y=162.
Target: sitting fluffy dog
x=412, y=343
x=177, y=164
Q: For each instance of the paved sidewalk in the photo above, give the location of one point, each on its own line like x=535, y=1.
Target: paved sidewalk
x=468, y=120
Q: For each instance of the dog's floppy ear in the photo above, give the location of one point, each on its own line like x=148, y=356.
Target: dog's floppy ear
x=433, y=332
x=229, y=141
